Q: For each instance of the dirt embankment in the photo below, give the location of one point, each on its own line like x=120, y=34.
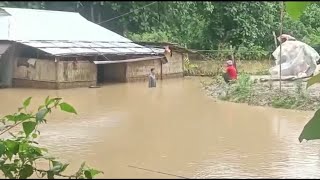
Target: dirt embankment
x=293, y=95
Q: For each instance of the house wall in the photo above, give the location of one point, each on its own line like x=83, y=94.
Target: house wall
x=174, y=67
x=6, y=65
x=72, y=74
x=139, y=71
x=42, y=73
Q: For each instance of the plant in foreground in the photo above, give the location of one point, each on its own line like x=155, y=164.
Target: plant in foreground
x=241, y=90
x=19, y=150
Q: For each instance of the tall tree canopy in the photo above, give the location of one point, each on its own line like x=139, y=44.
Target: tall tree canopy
x=197, y=25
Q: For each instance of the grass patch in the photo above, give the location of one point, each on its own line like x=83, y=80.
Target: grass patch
x=295, y=100
x=245, y=90
x=241, y=91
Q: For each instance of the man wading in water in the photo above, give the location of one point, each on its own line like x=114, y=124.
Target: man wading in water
x=152, y=79
x=231, y=72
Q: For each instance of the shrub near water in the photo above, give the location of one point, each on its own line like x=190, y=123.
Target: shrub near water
x=293, y=100
x=241, y=90
x=20, y=152
x=244, y=90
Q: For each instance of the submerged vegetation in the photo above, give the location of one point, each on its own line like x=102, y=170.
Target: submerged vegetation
x=245, y=90
x=20, y=152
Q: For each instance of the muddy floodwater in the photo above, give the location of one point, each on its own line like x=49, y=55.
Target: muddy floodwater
x=174, y=128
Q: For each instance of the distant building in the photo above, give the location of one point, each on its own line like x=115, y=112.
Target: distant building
x=55, y=50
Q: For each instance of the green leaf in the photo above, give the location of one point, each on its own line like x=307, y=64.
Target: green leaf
x=67, y=108
x=311, y=129
x=50, y=101
x=91, y=173
x=7, y=170
x=87, y=174
x=34, y=135
x=26, y=171
x=26, y=103
x=58, y=167
x=40, y=107
x=47, y=100
x=313, y=80
x=2, y=149
x=22, y=117
x=10, y=117
x=23, y=147
x=40, y=115
x=28, y=127
x=95, y=172
x=12, y=146
x=295, y=9
x=50, y=175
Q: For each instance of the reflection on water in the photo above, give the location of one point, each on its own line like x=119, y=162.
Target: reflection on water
x=174, y=128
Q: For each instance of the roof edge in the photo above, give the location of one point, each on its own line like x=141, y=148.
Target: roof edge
x=42, y=10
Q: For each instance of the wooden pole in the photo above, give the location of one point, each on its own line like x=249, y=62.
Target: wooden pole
x=233, y=60
x=281, y=29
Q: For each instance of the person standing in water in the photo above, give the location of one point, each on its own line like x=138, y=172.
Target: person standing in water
x=152, y=79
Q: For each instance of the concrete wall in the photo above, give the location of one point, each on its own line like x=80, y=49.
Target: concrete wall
x=49, y=74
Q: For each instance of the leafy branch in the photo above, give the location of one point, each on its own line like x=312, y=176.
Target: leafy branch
x=20, y=152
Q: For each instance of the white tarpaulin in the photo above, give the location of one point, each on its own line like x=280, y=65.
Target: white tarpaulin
x=298, y=59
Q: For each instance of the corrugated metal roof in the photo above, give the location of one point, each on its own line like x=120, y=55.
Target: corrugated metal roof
x=4, y=48
x=64, y=33
x=130, y=60
x=34, y=24
x=58, y=48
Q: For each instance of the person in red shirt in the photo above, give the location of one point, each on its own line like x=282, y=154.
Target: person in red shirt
x=231, y=72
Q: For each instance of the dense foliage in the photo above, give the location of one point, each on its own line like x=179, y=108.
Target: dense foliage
x=197, y=25
x=20, y=152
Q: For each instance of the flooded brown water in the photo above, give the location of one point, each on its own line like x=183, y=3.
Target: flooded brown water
x=175, y=128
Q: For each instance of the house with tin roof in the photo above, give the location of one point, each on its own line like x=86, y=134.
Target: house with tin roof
x=56, y=50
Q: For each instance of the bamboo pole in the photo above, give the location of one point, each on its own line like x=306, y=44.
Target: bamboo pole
x=281, y=29
x=233, y=59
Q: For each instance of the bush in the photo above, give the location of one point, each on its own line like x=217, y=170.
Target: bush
x=241, y=90
x=291, y=100
x=20, y=152
x=149, y=37
x=251, y=53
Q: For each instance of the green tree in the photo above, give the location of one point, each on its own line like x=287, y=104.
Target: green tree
x=197, y=25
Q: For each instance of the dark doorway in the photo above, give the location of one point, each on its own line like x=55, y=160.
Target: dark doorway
x=112, y=73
